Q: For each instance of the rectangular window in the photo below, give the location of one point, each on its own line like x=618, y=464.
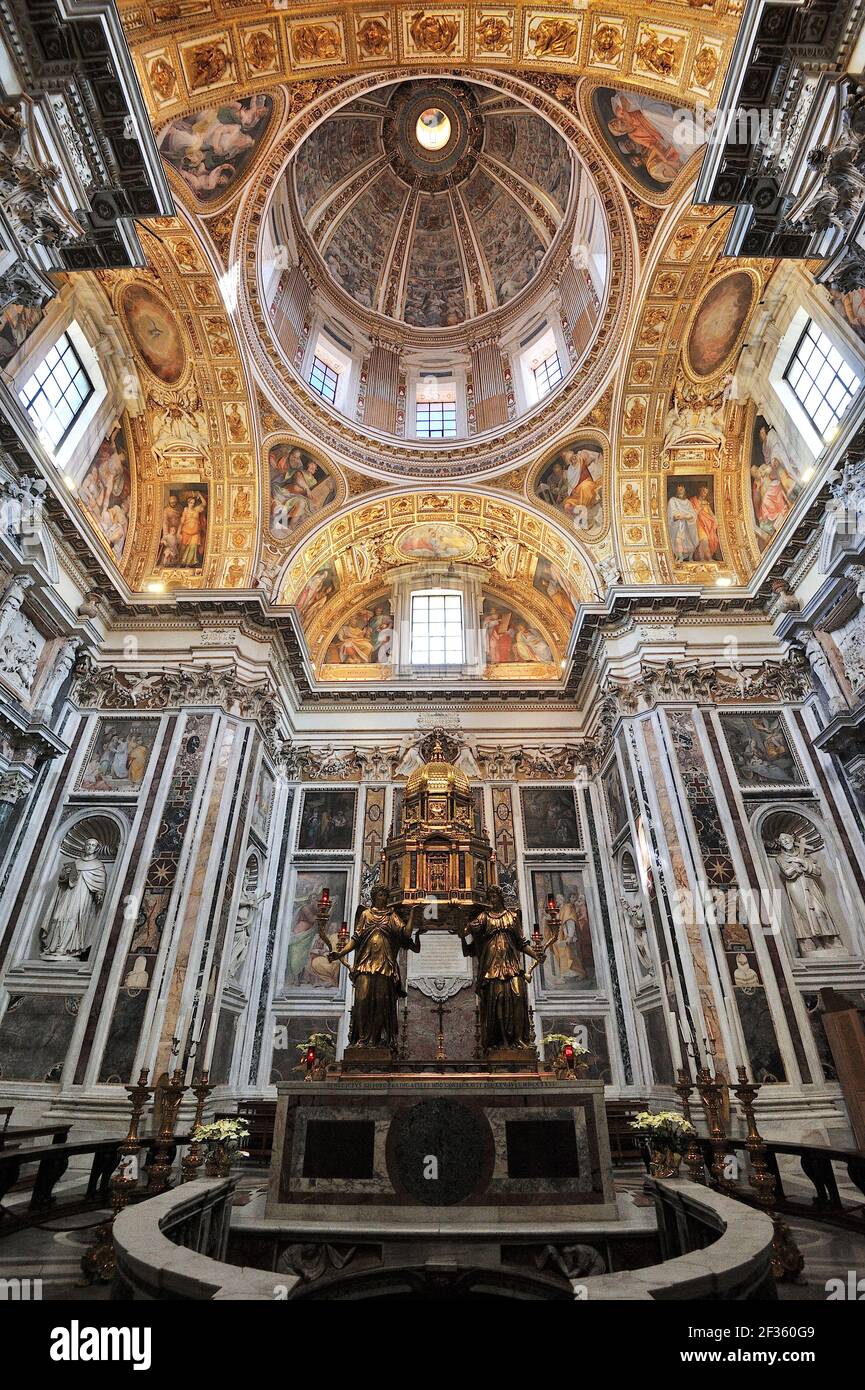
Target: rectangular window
x=57, y=392
x=821, y=379
x=548, y=374
x=437, y=628
x=323, y=380
x=436, y=420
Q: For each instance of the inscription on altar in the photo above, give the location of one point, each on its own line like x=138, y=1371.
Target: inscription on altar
x=439, y=968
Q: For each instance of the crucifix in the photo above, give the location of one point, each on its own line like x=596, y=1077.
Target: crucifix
x=442, y=1012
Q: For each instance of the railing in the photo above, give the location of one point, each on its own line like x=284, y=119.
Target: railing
x=171, y=1246
x=818, y=1166
x=736, y=1265
x=51, y=1162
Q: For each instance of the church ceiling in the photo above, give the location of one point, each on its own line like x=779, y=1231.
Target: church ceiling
x=470, y=223
x=241, y=478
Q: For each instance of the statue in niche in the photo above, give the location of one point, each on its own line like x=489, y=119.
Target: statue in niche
x=802, y=877
x=60, y=672
x=498, y=943
x=640, y=936
x=12, y=599
x=81, y=882
x=247, y=916
x=379, y=935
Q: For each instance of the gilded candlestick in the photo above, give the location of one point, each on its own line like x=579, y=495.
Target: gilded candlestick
x=194, y=1157
x=694, y=1160
x=787, y=1259
x=160, y=1169
x=710, y=1095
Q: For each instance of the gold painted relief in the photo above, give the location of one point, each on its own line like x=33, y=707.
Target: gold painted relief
x=373, y=36
x=433, y=33
x=494, y=35
x=316, y=43
x=551, y=39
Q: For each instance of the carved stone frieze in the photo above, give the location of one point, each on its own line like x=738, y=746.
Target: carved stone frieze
x=104, y=687
x=786, y=680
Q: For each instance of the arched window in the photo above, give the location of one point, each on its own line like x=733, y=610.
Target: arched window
x=437, y=628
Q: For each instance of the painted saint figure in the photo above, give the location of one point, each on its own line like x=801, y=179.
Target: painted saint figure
x=498, y=943
x=379, y=936
x=77, y=898
x=682, y=523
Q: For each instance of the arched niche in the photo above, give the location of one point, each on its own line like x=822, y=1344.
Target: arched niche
x=247, y=911
x=813, y=904
x=74, y=900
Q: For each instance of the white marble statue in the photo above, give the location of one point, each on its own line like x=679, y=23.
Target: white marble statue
x=59, y=673
x=640, y=937
x=247, y=914
x=850, y=639
x=803, y=883
x=466, y=760
x=744, y=976
x=19, y=652
x=77, y=898
x=408, y=758
x=11, y=600
x=822, y=669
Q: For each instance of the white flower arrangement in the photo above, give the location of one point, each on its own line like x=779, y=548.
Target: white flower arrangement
x=664, y=1128
x=560, y=1040
x=221, y=1132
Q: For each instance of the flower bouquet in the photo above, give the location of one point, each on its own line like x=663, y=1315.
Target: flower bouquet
x=569, y=1057
x=316, y=1055
x=666, y=1132
x=221, y=1140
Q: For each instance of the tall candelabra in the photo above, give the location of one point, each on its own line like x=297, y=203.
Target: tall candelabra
x=787, y=1259
x=160, y=1169
x=694, y=1161
x=711, y=1096
x=193, y=1159
x=98, y=1263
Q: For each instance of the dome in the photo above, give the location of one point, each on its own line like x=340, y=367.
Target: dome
x=432, y=202
x=437, y=771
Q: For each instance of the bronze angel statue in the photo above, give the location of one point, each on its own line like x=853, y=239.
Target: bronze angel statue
x=379, y=935
x=498, y=944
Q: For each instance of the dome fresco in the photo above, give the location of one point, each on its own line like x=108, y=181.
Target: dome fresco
x=435, y=232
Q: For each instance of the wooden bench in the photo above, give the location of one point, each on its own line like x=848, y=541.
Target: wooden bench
x=260, y=1118
x=624, y=1141
x=13, y=1135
